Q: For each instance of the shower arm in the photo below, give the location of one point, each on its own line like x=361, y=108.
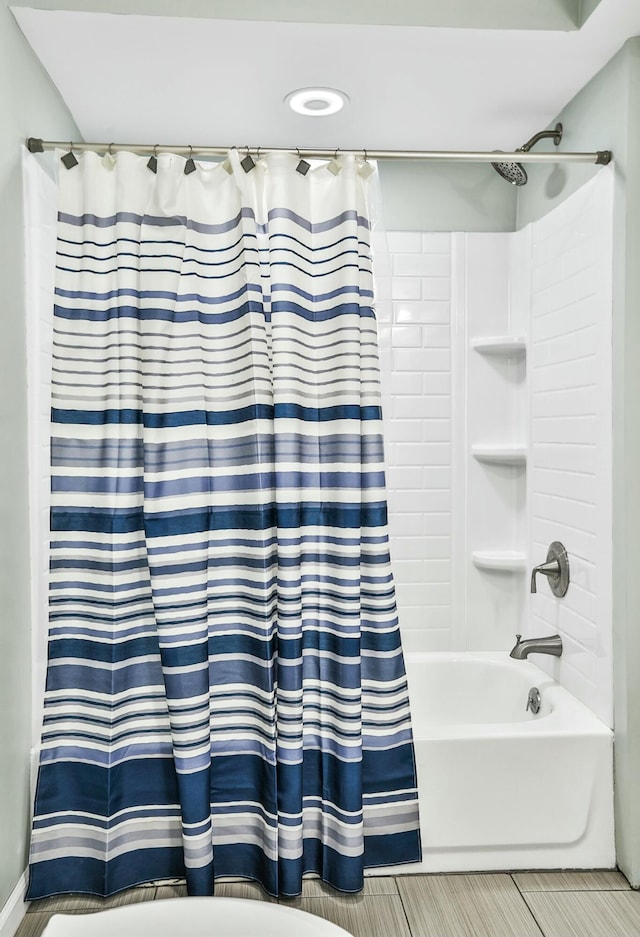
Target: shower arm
x=599, y=157
x=555, y=135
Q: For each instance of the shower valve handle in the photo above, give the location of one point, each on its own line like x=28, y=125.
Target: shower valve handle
x=555, y=568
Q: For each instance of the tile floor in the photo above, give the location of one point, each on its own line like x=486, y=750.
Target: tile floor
x=521, y=904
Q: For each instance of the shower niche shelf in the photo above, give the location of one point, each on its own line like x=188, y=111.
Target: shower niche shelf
x=506, y=561
x=501, y=346
x=500, y=455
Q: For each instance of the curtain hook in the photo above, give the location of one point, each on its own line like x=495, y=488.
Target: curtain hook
x=248, y=163
x=334, y=166
x=226, y=163
x=189, y=166
x=367, y=169
x=152, y=162
x=303, y=166
x=69, y=159
x=109, y=159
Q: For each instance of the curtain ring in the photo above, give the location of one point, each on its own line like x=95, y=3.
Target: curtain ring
x=69, y=159
x=333, y=165
x=303, y=166
x=226, y=164
x=189, y=166
x=152, y=162
x=110, y=149
x=248, y=163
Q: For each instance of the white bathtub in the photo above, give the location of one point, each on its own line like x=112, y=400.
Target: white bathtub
x=501, y=788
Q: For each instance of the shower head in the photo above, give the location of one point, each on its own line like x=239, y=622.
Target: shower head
x=515, y=173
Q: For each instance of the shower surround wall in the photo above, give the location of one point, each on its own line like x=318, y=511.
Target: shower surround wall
x=414, y=312
x=570, y=490
x=551, y=284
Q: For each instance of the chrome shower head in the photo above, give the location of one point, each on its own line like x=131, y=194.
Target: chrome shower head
x=515, y=173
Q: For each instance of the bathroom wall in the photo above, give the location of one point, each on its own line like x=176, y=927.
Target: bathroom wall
x=606, y=113
x=569, y=464
x=28, y=104
x=445, y=197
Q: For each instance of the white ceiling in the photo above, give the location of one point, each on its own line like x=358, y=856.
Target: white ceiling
x=158, y=79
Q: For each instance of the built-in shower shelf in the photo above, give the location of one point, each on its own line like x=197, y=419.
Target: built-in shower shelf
x=500, y=455
x=508, y=561
x=503, y=346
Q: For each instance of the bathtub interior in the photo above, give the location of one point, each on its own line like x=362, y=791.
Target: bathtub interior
x=478, y=689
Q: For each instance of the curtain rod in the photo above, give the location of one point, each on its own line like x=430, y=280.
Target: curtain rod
x=600, y=157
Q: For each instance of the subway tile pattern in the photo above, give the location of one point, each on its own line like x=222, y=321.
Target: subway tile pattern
x=414, y=315
x=523, y=904
x=570, y=465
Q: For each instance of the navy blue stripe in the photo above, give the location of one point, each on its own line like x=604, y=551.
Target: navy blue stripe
x=349, y=516
x=159, y=294
x=282, y=411
x=194, y=315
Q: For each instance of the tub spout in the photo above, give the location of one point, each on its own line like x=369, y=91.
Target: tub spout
x=522, y=649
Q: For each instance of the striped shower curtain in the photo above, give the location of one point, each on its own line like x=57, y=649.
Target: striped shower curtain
x=226, y=691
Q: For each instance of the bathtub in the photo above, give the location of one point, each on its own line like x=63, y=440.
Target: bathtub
x=502, y=788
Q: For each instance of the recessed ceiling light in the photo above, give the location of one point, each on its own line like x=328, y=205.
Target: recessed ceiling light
x=316, y=102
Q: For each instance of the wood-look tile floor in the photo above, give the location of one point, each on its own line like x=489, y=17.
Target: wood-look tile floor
x=520, y=904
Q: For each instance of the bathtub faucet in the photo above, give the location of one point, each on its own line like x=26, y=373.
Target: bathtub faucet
x=522, y=649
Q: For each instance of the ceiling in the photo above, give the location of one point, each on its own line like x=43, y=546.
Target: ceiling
x=143, y=78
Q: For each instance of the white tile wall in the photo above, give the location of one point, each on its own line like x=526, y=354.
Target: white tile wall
x=413, y=308
x=492, y=497
x=570, y=464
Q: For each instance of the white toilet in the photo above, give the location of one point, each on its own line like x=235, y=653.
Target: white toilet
x=194, y=917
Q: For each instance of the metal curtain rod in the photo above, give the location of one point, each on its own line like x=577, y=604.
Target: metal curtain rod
x=601, y=157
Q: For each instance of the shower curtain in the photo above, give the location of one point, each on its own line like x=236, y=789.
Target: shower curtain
x=226, y=690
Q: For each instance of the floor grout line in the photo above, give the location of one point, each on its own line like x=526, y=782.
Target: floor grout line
x=531, y=912
x=404, y=910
